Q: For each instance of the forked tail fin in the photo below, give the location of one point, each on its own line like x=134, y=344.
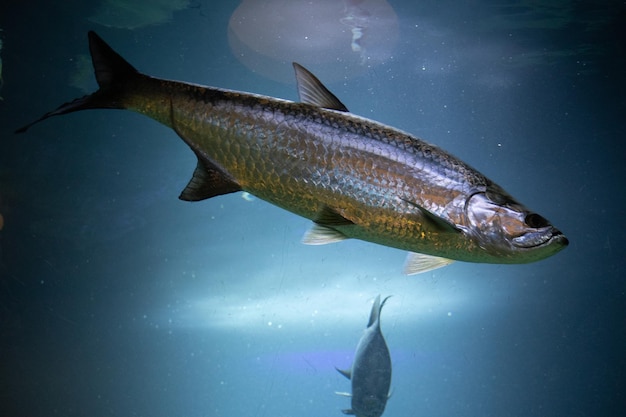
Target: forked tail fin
x=114, y=75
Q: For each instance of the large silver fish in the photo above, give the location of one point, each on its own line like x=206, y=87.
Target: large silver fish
x=354, y=177
x=370, y=373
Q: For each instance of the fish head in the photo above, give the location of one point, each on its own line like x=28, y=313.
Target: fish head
x=507, y=230
x=370, y=405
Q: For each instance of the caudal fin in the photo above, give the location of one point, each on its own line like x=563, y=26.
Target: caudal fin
x=114, y=75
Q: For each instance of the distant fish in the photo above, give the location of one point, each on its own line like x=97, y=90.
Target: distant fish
x=354, y=177
x=371, y=369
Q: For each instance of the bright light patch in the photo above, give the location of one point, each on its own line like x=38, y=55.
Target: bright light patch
x=314, y=307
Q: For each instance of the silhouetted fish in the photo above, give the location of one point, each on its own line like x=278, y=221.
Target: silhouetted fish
x=355, y=178
x=371, y=369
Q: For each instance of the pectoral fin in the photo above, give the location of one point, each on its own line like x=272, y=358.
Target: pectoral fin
x=417, y=263
x=349, y=412
x=433, y=219
x=343, y=394
x=345, y=373
x=330, y=217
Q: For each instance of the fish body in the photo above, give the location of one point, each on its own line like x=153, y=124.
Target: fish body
x=354, y=177
x=370, y=373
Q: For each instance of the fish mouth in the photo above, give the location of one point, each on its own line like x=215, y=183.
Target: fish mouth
x=541, y=237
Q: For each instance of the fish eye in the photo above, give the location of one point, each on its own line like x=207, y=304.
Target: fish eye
x=536, y=221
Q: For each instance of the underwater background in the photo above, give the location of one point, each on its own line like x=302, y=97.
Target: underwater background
x=118, y=299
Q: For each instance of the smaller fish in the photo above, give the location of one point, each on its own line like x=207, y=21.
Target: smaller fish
x=371, y=370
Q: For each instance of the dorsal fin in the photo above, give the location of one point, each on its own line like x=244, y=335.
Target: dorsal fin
x=312, y=91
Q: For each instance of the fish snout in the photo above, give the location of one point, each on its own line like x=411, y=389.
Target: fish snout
x=540, y=232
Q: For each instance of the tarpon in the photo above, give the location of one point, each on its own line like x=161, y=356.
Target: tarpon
x=354, y=177
x=370, y=373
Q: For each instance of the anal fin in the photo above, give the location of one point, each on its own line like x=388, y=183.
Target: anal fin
x=208, y=181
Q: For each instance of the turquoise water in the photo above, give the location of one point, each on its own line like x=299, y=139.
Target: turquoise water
x=116, y=298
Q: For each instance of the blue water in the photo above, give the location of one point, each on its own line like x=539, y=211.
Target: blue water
x=118, y=299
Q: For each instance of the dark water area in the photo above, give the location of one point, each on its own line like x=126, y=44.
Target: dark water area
x=119, y=299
